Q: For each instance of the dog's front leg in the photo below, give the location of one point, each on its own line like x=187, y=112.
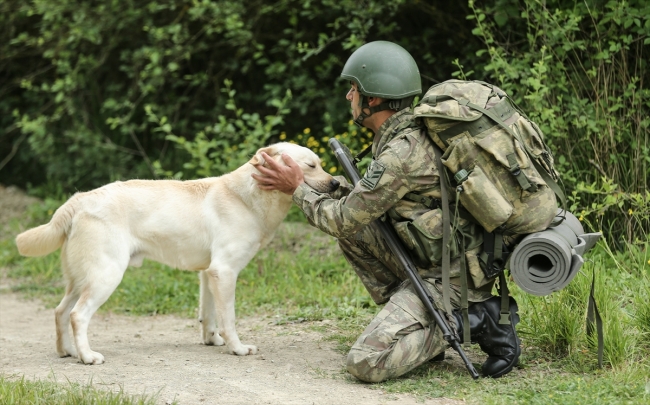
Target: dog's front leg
x=208, y=313
x=222, y=281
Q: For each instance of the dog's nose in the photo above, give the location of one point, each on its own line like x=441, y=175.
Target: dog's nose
x=334, y=184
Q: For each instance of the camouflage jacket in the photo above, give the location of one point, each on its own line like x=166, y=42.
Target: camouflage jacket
x=403, y=162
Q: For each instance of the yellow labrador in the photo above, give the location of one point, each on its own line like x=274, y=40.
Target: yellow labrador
x=214, y=226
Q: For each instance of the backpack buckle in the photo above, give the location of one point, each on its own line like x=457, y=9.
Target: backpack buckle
x=514, y=165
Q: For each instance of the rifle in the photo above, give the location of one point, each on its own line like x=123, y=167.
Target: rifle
x=344, y=157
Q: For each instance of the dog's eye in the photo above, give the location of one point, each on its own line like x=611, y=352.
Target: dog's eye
x=311, y=165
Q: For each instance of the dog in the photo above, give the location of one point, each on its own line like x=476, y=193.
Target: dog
x=213, y=226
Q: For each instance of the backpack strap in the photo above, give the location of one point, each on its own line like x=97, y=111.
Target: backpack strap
x=446, y=235
x=446, y=256
x=503, y=109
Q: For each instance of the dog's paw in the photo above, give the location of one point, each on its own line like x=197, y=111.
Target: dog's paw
x=245, y=350
x=213, y=338
x=68, y=352
x=92, y=358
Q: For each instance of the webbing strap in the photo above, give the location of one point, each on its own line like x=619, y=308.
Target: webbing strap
x=363, y=104
x=519, y=175
x=472, y=127
x=498, y=246
x=503, y=109
x=505, y=300
x=446, y=233
x=429, y=202
x=362, y=154
x=464, y=302
x=593, y=316
x=550, y=182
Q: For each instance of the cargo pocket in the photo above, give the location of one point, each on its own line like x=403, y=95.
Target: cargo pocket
x=427, y=230
x=484, y=201
x=406, y=234
x=474, y=267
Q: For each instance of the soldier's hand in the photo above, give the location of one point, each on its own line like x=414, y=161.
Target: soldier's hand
x=277, y=176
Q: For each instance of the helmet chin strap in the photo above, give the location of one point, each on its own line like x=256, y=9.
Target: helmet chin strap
x=396, y=105
x=363, y=103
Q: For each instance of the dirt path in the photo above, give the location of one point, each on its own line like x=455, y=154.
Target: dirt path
x=163, y=354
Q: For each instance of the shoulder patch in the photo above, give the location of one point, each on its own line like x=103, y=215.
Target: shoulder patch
x=373, y=174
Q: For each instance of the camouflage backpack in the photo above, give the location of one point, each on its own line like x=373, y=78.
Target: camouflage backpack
x=495, y=159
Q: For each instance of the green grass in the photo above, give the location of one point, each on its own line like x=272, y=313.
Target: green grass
x=302, y=276
x=535, y=385
x=21, y=391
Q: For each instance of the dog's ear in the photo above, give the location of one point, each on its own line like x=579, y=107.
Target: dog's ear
x=258, y=159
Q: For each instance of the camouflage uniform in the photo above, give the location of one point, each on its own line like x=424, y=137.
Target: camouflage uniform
x=401, y=336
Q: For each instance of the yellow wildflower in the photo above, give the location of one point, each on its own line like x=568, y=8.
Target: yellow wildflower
x=333, y=170
x=283, y=136
x=321, y=150
x=630, y=212
x=306, y=131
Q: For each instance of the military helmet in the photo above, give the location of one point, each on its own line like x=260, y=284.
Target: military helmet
x=383, y=69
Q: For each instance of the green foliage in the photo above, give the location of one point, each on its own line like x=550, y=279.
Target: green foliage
x=23, y=392
x=83, y=81
x=226, y=145
x=580, y=71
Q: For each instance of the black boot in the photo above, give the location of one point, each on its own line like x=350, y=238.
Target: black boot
x=500, y=342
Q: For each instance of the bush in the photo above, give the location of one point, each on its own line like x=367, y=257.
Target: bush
x=580, y=71
x=82, y=79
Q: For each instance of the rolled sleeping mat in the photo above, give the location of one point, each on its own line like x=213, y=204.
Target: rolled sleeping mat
x=546, y=261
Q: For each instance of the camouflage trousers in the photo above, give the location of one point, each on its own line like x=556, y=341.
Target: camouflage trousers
x=402, y=336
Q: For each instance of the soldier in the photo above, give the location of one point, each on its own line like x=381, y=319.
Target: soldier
x=384, y=80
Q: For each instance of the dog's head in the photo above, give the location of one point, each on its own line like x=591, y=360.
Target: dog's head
x=308, y=161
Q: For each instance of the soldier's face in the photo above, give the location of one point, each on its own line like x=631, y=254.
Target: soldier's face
x=353, y=98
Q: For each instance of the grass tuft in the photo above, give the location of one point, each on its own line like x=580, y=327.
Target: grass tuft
x=21, y=391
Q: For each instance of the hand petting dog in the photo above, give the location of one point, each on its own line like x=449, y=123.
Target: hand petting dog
x=282, y=177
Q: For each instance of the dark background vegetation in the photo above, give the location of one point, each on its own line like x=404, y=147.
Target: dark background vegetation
x=96, y=91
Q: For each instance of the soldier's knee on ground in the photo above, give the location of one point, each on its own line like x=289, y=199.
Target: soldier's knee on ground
x=359, y=365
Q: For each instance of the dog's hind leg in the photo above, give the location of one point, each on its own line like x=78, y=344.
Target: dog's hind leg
x=97, y=257
x=97, y=290
x=64, y=345
x=208, y=313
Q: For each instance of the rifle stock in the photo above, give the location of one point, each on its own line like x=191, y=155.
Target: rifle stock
x=344, y=157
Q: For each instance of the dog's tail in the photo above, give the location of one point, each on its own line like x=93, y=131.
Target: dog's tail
x=47, y=238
